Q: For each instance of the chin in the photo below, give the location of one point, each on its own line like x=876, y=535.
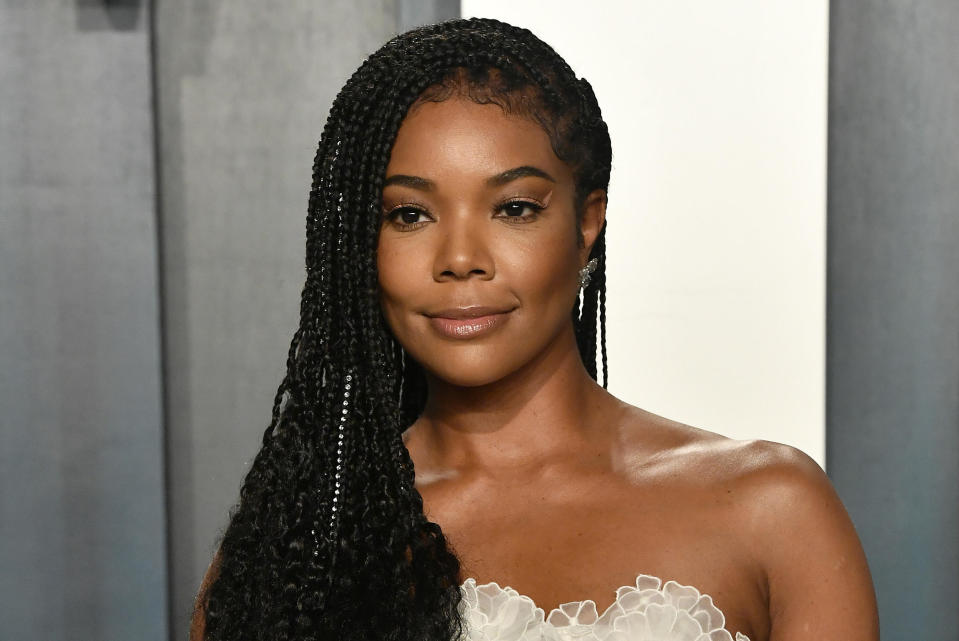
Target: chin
x=473, y=370
x=462, y=378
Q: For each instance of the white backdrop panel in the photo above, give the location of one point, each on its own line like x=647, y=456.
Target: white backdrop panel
x=717, y=208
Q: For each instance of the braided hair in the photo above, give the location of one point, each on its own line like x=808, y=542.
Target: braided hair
x=329, y=539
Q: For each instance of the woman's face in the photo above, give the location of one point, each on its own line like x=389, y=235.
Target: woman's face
x=478, y=251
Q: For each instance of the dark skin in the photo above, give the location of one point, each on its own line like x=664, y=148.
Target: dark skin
x=541, y=479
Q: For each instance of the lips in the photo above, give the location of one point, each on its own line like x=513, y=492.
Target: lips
x=468, y=322
x=475, y=311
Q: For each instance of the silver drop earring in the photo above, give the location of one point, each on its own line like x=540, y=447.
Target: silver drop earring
x=585, y=273
x=339, y=463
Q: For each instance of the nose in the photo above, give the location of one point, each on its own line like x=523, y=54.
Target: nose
x=463, y=250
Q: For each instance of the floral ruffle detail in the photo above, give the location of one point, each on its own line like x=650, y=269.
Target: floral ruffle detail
x=499, y=614
x=648, y=611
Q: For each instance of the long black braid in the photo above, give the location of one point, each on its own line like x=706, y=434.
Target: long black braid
x=329, y=539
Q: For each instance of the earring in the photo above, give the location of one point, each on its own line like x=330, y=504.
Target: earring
x=584, y=273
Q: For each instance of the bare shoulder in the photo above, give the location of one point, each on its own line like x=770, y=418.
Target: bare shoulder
x=752, y=465
x=772, y=490
x=711, y=458
x=782, y=476
x=819, y=580
x=779, y=490
x=764, y=469
x=787, y=514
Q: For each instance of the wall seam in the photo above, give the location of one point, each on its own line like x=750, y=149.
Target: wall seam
x=161, y=314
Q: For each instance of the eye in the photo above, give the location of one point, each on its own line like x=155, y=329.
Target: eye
x=407, y=217
x=514, y=211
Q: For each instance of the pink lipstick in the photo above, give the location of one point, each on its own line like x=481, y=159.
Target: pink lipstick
x=468, y=322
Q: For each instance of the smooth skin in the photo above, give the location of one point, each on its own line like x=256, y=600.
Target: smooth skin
x=541, y=479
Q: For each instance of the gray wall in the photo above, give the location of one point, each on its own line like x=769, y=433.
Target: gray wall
x=243, y=97
x=122, y=294
x=893, y=302
x=82, y=544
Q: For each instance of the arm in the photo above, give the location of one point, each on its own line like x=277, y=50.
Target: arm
x=198, y=623
x=819, y=582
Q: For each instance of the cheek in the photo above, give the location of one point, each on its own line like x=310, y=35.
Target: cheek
x=400, y=272
x=391, y=287
x=543, y=273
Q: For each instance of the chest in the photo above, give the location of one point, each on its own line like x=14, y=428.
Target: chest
x=557, y=546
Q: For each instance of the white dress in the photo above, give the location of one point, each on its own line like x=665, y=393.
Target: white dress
x=647, y=611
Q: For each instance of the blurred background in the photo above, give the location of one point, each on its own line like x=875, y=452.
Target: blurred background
x=783, y=255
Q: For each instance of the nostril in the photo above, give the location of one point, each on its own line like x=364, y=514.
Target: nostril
x=450, y=273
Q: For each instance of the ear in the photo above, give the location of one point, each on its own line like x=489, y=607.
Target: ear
x=591, y=224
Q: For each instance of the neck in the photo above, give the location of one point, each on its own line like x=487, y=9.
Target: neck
x=546, y=411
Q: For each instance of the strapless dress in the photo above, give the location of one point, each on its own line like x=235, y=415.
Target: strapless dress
x=647, y=611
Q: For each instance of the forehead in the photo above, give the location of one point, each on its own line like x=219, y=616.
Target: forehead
x=464, y=138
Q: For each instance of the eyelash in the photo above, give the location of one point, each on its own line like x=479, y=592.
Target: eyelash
x=514, y=220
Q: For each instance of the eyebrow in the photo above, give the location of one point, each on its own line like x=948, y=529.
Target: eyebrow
x=509, y=175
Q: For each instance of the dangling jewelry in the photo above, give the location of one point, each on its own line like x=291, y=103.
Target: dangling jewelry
x=339, y=462
x=584, y=273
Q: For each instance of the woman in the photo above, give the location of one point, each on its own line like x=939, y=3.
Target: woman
x=455, y=276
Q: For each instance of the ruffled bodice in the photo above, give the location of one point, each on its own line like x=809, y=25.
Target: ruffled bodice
x=648, y=611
